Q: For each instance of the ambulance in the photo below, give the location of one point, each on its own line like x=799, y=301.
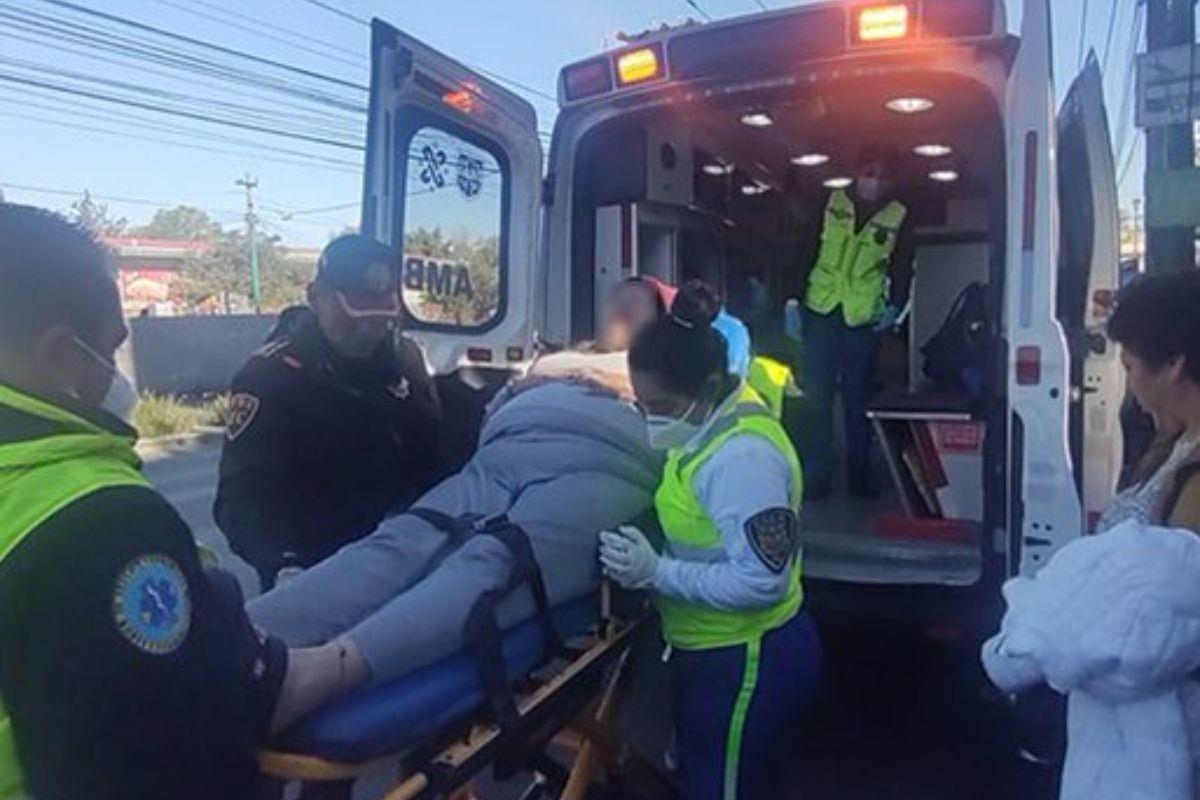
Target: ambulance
x=708, y=150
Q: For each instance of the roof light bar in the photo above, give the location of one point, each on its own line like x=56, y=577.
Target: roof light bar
x=883, y=23
x=639, y=66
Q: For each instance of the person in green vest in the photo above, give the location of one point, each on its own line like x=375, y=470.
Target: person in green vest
x=127, y=671
x=745, y=658
x=857, y=287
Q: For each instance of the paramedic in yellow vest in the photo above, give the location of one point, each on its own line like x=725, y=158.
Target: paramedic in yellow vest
x=856, y=289
x=127, y=672
x=744, y=656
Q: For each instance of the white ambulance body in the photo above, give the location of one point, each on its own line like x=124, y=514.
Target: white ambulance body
x=707, y=151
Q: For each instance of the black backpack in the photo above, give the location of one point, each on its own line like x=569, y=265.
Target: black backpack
x=956, y=356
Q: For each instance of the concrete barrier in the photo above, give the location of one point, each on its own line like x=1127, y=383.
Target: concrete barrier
x=190, y=355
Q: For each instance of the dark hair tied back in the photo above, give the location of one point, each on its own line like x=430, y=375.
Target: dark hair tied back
x=682, y=349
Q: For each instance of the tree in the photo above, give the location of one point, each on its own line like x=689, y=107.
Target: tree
x=480, y=260
x=181, y=222
x=96, y=217
x=220, y=277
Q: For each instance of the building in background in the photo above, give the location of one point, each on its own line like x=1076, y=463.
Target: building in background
x=147, y=269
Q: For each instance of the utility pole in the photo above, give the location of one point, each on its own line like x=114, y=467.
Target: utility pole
x=250, y=184
x=1170, y=23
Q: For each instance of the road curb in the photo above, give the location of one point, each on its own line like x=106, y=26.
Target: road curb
x=159, y=445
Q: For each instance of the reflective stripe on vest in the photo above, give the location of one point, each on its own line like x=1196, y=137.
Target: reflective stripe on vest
x=851, y=268
x=691, y=535
x=39, y=478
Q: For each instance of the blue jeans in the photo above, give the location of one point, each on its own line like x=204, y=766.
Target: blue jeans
x=835, y=353
x=737, y=710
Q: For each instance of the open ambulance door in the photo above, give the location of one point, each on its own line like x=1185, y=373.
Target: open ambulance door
x=1089, y=274
x=1044, y=510
x=453, y=176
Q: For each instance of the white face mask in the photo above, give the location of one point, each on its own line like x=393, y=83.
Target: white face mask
x=121, y=397
x=668, y=433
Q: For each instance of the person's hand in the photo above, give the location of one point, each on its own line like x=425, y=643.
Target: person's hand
x=628, y=557
x=888, y=320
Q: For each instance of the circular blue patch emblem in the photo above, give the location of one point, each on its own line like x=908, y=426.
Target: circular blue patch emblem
x=151, y=605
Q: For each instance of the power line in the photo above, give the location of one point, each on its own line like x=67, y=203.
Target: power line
x=762, y=5
x=696, y=7
x=203, y=117
x=136, y=201
x=337, y=11
x=229, y=51
x=281, y=29
x=57, y=29
x=1112, y=27
x=247, y=29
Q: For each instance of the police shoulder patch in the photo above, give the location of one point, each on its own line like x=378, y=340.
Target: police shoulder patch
x=151, y=605
x=242, y=410
x=774, y=537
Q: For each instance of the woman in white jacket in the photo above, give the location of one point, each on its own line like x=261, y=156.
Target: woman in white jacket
x=1113, y=621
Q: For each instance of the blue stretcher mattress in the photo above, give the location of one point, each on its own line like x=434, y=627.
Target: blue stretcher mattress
x=397, y=715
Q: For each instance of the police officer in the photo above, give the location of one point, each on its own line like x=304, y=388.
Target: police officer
x=744, y=656
x=849, y=304
x=126, y=671
x=332, y=424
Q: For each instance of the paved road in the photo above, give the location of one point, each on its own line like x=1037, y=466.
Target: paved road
x=186, y=474
x=899, y=721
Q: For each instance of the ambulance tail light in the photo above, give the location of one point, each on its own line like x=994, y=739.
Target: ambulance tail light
x=883, y=23
x=640, y=65
x=587, y=79
x=1029, y=366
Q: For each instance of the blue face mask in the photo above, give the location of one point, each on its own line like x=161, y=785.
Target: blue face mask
x=668, y=433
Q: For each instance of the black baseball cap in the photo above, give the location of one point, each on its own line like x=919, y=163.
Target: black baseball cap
x=364, y=272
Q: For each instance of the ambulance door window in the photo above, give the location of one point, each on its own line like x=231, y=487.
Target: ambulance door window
x=454, y=203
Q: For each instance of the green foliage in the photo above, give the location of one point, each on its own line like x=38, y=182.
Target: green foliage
x=162, y=415
x=482, y=259
x=96, y=217
x=221, y=276
x=180, y=222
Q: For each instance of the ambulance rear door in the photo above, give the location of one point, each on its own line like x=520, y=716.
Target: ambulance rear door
x=1089, y=273
x=453, y=179
x=1045, y=511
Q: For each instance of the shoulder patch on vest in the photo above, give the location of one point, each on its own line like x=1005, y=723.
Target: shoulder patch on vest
x=774, y=537
x=151, y=605
x=242, y=410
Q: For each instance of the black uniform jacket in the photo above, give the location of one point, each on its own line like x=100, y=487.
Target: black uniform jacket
x=128, y=671
x=319, y=449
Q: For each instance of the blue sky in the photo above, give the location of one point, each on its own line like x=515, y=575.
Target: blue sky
x=525, y=40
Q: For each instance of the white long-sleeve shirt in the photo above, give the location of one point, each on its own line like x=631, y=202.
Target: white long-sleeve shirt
x=746, y=476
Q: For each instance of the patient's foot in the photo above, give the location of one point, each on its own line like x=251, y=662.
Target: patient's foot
x=316, y=675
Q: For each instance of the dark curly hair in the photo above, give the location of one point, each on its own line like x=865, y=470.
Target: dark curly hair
x=1156, y=319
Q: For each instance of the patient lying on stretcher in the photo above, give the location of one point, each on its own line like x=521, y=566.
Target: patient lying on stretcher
x=562, y=453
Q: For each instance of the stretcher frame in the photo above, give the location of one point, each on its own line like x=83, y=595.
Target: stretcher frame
x=578, y=695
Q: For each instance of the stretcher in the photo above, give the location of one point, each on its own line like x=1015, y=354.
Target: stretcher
x=438, y=727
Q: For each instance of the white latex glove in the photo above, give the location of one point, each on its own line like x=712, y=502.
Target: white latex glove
x=628, y=558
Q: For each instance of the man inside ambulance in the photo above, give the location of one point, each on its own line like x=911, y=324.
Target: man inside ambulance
x=858, y=285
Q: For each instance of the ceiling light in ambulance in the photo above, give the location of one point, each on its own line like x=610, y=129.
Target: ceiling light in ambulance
x=883, y=23
x=839, y=183
x=944, y=176
x=638, y=66
x=910, y=105
x=717, y=169
x=757, y=119
x=933, y=150
x=755, y=189
x=810, y=160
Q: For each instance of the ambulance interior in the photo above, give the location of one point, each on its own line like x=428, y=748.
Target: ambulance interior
x=731, y=189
